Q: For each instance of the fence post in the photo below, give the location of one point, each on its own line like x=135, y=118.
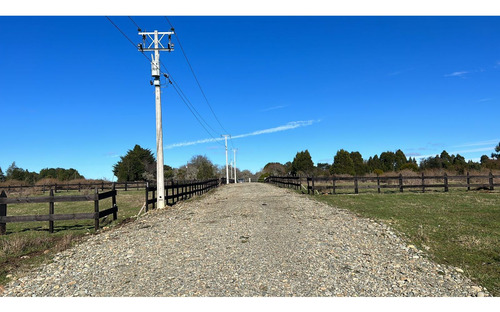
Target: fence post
x=113, y=201
x=154, y=196
x=51, y=212
x=55, y=188
x=79, y=187
x=356, y=184
x=96, y=209
x=313, y=185
x=423, y=183
x=102, y=185
x=125, y=186
x=3, y=213
x=378, y=183
x=147, y=189
x=334, y=190
x=468, y=181
x=491, y=181
x=401, y=182
x=445, y=182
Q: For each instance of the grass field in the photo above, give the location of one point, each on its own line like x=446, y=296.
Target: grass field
x=457, y=228
x=29, y=244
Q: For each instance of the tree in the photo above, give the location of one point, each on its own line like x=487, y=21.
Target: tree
x=374, y=164
x=342, y=163
x=399, y=160
x=15, y=173
x=204, y=168
x=360, y=168
x=497, y=154
x=2, y=176
x=60, y=174
x=388, y=161
x=302, y=163
x=136, y=162
x=274, y=169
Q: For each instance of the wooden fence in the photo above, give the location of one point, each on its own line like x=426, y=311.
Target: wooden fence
x=400, y=182
x=288, y=181
x=177, y=191
x=51, y=216
x=58, y=187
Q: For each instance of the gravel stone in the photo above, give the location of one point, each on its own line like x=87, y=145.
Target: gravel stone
x=248, y=239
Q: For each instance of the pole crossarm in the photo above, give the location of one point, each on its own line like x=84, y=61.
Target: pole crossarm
x=152, y=36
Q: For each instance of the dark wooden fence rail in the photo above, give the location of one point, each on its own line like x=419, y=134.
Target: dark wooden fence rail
x=287, y=181
x=399, y=182
x=58, y=187
x=385, y=182
x=180, y=190
x=51, y=217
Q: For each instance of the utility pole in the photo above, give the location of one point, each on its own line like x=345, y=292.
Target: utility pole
x=227, y=172
x=235, y=180
x=157, y=46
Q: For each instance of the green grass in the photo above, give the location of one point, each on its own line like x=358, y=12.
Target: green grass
x=458, y=228
x=28, y=244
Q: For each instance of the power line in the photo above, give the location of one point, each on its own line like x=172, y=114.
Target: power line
x=133, y=44
x=138, y=28
x=195, y=114
x=178, y=89
x=189, y=104
x=195, y=77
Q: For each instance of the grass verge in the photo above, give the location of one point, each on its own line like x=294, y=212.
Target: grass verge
x=457, y=228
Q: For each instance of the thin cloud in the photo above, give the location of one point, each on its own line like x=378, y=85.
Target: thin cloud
x=481, y=143
x=460, y=74
x=288, y=126
x=484, y=100
x=272, y=108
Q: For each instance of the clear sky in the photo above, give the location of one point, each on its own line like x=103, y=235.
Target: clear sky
x=75, y=93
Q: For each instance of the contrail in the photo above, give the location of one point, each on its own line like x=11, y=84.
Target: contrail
x=288, y=126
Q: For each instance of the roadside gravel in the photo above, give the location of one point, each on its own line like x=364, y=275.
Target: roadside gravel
x=247, y=239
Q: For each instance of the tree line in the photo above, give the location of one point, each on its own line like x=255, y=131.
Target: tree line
x=353, y=163
x=139, y=164
x=15, y=173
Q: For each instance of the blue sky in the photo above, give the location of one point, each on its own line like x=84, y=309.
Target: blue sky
x=75, y=93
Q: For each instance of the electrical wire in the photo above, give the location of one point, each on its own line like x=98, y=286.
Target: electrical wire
x=215, y=140
x=196, y=78
x=176, y=87
x=189, y=104
x=133, y=44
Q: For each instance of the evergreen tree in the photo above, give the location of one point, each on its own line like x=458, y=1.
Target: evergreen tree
x=399, y=160
x=497, y=154
x=342, y=163
x=360, y=168
x=388, y=161
x=302, y=163
x=374, y=163
x=2, y=176
x=136, y=162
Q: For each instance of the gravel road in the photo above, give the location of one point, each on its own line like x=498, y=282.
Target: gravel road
x=247, y=239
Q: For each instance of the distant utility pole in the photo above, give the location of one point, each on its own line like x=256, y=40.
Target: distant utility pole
x=227, y=171
x=157, y=46
x=234, y=150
